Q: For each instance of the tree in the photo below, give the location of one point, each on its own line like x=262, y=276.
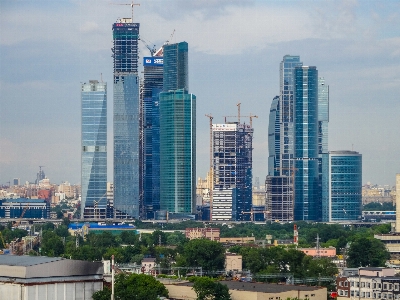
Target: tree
x=369, y=252
x=207, y=289
x=210, y=255
x=134, y=287
x=52, y=244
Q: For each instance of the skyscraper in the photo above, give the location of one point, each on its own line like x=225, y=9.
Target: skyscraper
x=177, y=151
x=176, y=69
x=94, y=149
x=279, y=182
x=152, y=86
x=341, y=186
x=126, y=119
x=177, y=133
x=232, y=193
x=306, y=183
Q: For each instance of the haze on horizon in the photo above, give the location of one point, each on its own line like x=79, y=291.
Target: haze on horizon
x=48, y=48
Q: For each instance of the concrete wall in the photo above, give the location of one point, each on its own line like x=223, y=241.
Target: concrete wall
x=54, y=291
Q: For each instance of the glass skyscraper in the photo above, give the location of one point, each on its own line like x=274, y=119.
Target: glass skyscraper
x=94, y=148
x=177, y=151
x=279, y=181
x=152, y=86
x=306, y=201
x=126, y=115
x=176, y=73
x=341, y=186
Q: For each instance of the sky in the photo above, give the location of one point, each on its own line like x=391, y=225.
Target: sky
x=48, y=48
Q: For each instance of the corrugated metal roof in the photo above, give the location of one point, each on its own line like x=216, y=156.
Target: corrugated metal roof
x=25, y=260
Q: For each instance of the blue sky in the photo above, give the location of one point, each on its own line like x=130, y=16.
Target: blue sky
x=47, y=48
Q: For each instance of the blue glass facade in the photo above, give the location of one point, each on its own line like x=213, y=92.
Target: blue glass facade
x=280, y=144
x=126, y=144
x=34, y=208
x=93, y=145
x=176, y=74
x=177, y=151
x=126, y=117
x=341, y=186
x=306, y=183
x=156, y=150
x=152, y=86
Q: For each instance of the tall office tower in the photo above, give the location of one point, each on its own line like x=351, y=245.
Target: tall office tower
x=176, y=70
x=126, y=119
x=279, y=182
x=232, y=193
x=94, y=149
x=152, y=86
x=40, y=175
x=177, y=151
x=306, y=182
x=16, y=181
x=341, y=186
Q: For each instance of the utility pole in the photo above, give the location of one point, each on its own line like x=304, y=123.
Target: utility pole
x=211, y=186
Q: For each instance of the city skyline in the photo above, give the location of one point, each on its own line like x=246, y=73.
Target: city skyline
x=354, y=44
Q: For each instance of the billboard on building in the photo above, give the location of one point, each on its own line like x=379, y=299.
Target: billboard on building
x=153, y=61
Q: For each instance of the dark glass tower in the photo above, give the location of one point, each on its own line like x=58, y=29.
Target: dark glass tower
x=94, y=149
x=176, y=73
x=126, y=119
x=306, y=183
x=152, y=86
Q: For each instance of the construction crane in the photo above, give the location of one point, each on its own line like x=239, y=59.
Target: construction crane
x=95, y=206
x=152, y=50
x=16, y=224
x=170, y=38
x=211, y=165
x=130, y=4
x=238, y=105
x=250, y=117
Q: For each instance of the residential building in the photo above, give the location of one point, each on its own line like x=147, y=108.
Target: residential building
x=232, y=193
x=152, y=86
x=126, y=113
x=233, y=262
x=177, y=151
x=319, y=252
x=305, y=123
x=369, y=283
x=93, y=147
x=279, y=182
x=203, y=233
x=341, y=186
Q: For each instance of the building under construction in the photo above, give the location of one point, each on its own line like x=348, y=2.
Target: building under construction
x=232, y=161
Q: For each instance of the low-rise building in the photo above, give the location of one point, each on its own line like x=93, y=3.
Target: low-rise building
x=252, y=291
x=233, y=262
x=38, y=277
x=319, y=252
x=369, y=283
x=203, y=233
